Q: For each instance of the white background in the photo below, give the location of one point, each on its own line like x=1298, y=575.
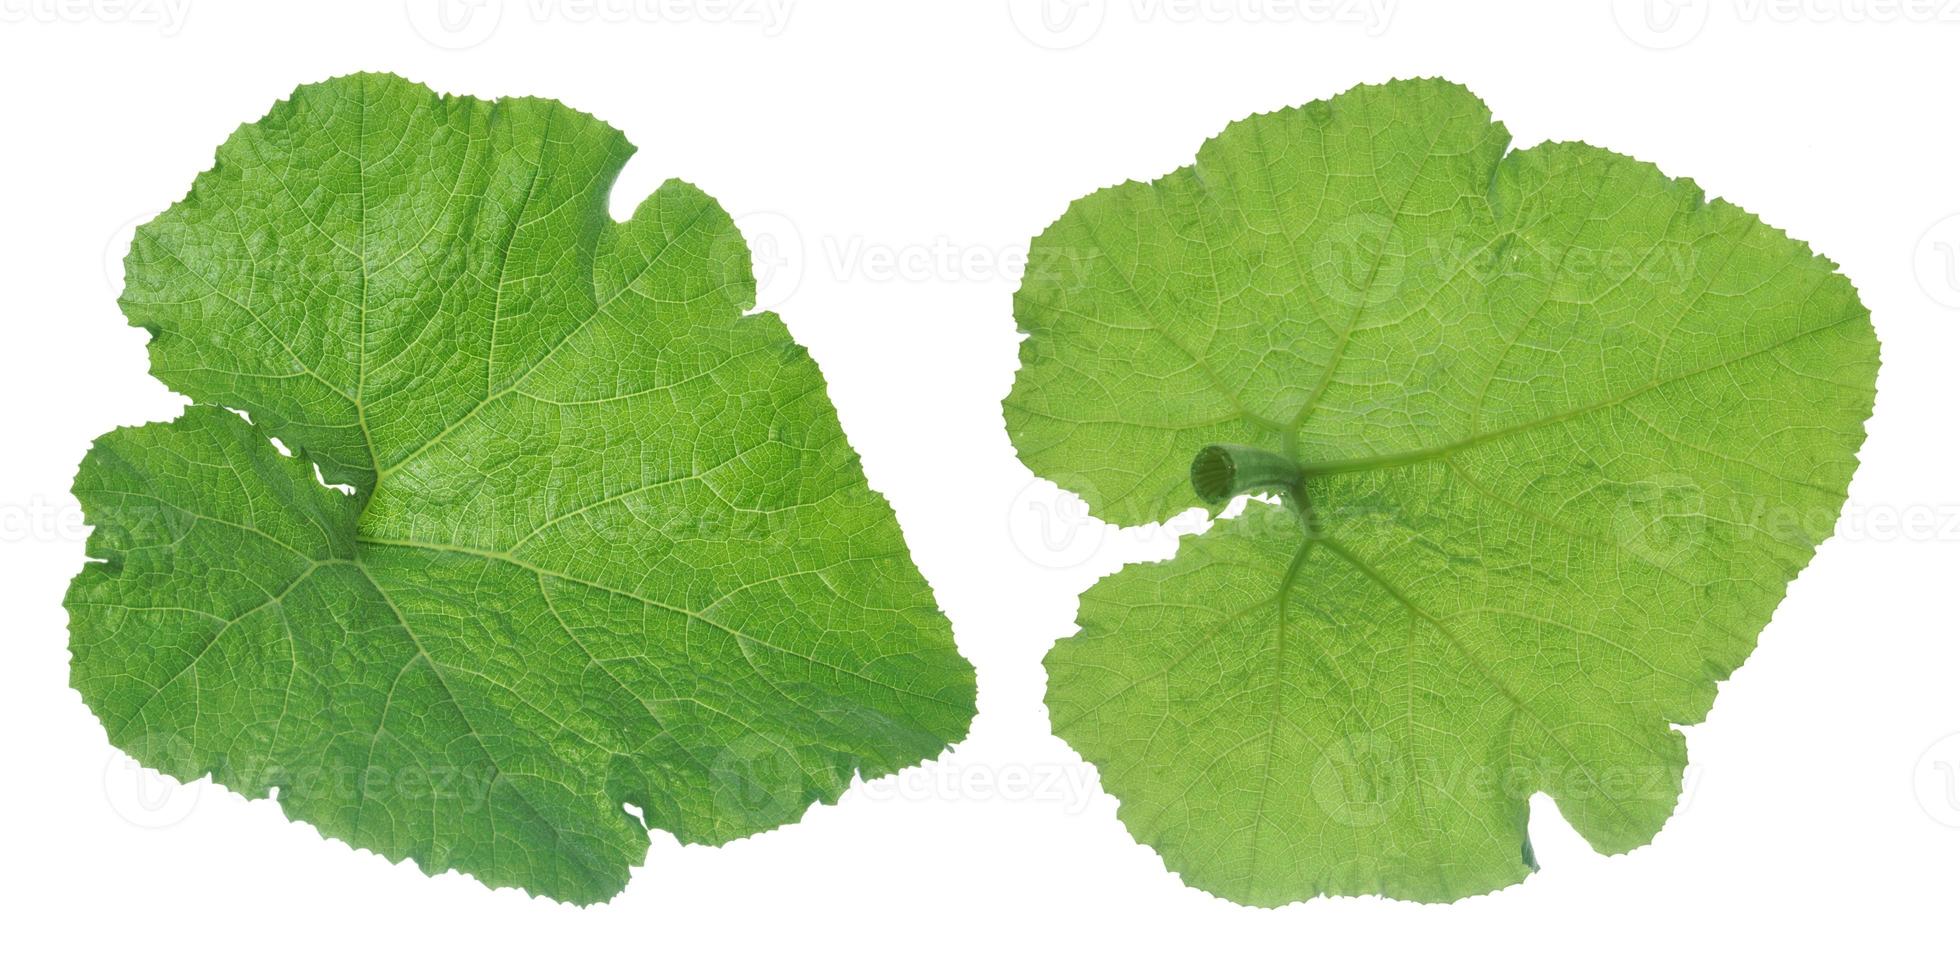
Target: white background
x=890, y=161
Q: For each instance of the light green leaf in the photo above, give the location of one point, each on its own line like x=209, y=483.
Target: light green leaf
x=607, y=545
x=1551, y=434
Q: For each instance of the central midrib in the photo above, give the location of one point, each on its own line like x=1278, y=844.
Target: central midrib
x=1428, y=453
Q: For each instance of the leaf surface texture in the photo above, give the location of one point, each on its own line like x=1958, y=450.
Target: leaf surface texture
x=607, y=544
x=1565, y=432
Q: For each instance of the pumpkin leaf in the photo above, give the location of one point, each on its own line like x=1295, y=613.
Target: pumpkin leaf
x=606, y=546
x=1542, y=436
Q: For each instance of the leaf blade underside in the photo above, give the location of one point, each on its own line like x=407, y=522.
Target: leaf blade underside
x=1567, y=428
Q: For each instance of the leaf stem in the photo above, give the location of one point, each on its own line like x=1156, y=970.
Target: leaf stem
x=1221, y=472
